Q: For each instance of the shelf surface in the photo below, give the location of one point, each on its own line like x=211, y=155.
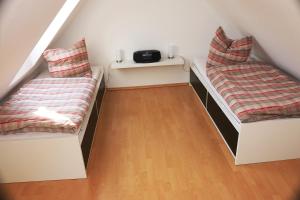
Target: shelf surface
x=178, y=60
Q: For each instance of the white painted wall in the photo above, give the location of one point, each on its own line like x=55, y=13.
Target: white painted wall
x=21, y=26
x=274, y=23
x=132, y=25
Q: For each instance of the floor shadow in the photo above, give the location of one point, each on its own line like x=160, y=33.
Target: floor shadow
x=3, y=194
x=297, y=196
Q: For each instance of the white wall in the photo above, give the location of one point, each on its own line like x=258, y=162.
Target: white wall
x=274, y=23
x=21, y=26
x=135, y=24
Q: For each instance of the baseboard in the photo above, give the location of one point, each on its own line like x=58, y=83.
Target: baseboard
x=148, y=86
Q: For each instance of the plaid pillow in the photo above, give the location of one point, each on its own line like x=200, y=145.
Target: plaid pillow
x=69, y=62
x=225, y=51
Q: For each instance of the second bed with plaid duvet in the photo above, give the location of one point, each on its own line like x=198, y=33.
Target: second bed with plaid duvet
x=256, y=91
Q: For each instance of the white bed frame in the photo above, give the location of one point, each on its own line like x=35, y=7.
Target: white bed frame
x=44, y=157
x=260, y=141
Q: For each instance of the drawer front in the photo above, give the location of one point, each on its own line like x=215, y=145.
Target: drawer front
x=89, y=135
x=90, y=130
x=100, y=95
x=224, y=125
x=198, y=87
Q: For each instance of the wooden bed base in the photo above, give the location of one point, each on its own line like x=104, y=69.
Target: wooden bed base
x=53, y=158
x=253, y=142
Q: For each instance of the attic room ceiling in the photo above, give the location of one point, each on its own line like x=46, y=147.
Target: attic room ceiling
x=274, y=24
x=22, y=25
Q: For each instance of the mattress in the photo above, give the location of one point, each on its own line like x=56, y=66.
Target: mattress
x=97, y=74
x=256, y=91
x=200, y=65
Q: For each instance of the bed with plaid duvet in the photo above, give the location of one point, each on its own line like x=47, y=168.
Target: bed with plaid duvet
x=256, y=91
x=47, y=105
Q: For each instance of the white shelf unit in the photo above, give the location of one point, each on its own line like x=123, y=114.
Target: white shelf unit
x=176, y=61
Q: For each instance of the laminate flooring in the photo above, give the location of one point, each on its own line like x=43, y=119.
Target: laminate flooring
x=159, y=143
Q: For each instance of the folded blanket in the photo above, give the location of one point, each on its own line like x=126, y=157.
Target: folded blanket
x=256, y=91
x=47, y=105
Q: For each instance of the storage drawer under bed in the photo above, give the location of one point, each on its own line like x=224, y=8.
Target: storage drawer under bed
x=92, y=123
x=198, y=87
x=225, y=127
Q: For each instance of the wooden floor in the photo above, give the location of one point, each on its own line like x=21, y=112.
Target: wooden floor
x=159, y=143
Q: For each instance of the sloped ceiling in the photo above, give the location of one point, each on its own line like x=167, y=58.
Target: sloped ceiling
x=22, y=24
x=274, y=24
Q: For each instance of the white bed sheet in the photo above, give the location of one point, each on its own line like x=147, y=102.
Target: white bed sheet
x=200, y=65
x=97, y=73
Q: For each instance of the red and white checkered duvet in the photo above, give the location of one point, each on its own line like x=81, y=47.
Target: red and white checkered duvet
x=256, y=91
x=47, y=105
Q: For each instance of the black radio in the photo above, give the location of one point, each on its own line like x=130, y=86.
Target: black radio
x=146, y=56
